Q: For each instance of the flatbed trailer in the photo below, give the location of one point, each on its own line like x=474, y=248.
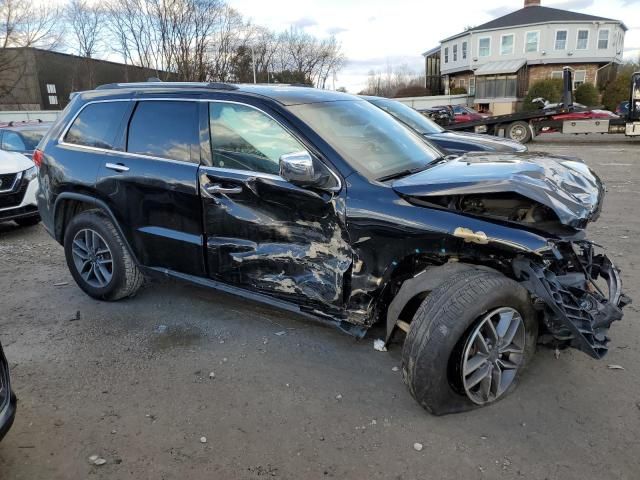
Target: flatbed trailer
x=523, y=126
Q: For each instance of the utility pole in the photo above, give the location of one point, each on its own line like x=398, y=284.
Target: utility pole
x=253, y=61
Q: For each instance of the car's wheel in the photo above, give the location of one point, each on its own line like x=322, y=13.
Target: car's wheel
x=98, y=258
x=28, y=221
x=469, y=342
x=519, y=131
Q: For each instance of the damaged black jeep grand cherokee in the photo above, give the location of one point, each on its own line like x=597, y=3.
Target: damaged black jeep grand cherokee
x=320, y=203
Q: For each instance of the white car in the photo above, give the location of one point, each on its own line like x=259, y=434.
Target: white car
x=18, y=185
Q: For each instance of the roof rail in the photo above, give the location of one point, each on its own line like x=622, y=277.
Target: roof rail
x=154, y=83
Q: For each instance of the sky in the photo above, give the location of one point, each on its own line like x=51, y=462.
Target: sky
x=378, y=33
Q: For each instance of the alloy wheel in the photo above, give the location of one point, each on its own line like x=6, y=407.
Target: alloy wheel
x=92, y=258
x=493, y=354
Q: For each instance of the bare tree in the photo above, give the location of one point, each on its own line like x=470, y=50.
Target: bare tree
x=23, y=24
x=86, y=22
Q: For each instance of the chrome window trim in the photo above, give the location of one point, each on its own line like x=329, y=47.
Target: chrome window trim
x=246, y=173
x=251, y=173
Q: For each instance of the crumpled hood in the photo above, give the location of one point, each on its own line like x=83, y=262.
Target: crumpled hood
x=475, y=142
x=566, y=185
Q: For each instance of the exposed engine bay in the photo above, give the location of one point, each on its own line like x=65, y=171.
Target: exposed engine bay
x=510, y=207
x=580, y=293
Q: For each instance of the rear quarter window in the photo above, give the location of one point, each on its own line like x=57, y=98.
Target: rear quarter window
x=97, y=125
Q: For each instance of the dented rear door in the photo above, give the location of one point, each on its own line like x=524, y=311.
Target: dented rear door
x=262, y=232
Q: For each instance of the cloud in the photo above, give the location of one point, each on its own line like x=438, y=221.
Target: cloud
x=336, y=30
x=626, y=3
x=304, y=22
x=364, y=65
x=500, y=11
x=574, y=4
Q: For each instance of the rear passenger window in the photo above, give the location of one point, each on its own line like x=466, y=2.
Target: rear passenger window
x=97, y=125
x=166, y=130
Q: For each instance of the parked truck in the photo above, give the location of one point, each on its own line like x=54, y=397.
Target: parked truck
x=523, y=126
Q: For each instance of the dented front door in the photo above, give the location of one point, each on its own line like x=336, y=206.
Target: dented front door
x=262, y=232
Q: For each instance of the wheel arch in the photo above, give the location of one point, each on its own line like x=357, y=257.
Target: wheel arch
x=70, y=204
x=413, y=290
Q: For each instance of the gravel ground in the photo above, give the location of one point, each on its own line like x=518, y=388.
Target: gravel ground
x=130, y=381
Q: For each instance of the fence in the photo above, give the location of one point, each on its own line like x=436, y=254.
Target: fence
x=28, y=115
x=434, y=101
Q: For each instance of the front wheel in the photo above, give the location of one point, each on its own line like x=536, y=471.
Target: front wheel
x=98, y=259
x=469, y=342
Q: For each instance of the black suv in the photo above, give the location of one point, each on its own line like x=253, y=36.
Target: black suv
x=321, y=203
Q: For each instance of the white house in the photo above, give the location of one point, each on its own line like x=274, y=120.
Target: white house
x=497, y=61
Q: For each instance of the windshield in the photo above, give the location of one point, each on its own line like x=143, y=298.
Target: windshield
x=408, y=115
x=371, y=141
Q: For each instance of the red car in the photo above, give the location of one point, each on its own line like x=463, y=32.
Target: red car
x=466, y=114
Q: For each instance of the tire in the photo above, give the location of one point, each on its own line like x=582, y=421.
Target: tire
x=28, y=221
x=519, y=131
x=441, y=330
x=120, y=278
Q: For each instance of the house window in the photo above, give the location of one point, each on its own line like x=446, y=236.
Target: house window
x=532, y=41
x=484, y=46
x=579, y=77
x=464, y=50
x=455, y=53
x=557, y=74
x=603, y=39
x=53, y=100
x=561, y=40
x=446, y=54
x=51, y=88
x=462, y=83
x=472, y=86
x=497, y=86
x=506, y=44
x=583, y=40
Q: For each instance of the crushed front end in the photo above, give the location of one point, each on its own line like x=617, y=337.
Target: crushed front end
x=579, y=293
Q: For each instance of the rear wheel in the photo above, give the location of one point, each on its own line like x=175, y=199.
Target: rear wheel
x=519, y=131
x=98, y=258
x=469, y=342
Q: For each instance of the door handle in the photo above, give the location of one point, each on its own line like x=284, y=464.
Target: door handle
x=214, y=188
x=118, y=167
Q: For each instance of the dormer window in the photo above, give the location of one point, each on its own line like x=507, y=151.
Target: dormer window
x=561, y=40
x=506, y=44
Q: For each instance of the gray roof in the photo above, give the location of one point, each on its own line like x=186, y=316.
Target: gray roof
x=538, y=14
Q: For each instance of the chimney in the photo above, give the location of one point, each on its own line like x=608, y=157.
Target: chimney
x=531, y=3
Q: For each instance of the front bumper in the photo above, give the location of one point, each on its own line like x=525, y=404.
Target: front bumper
x=20, y=202
x=577, y=312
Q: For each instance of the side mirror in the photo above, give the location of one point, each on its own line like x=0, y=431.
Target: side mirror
x=298, y=169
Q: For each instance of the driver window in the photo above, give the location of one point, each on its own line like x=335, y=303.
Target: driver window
x=244, y=138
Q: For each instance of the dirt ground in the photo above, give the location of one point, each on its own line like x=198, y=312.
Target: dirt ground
x=130, y=381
